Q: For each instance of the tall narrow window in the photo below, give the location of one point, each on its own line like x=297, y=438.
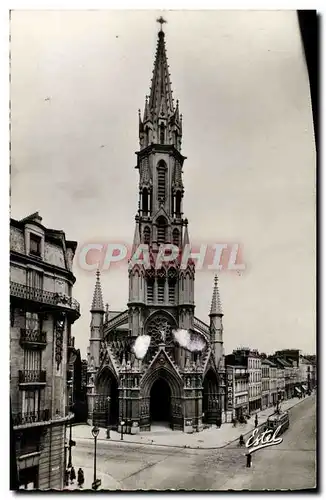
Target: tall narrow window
x=35, y=245
x=161, y=181
x=32, y=321
x=175, y=237
x=160, y=290
x=147, y=235
x=32, y=361
x=146, y=136
x=145, y=201
x=178, y=203
x=176, y=139
x=150, y=291
x=162, y=133
x=34, y=279
x=30, y=402
x=161, y=230
x=172, y=291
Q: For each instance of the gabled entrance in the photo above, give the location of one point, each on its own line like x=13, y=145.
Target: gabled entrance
x=160, y=402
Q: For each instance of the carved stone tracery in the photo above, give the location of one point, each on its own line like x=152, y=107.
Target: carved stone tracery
x=160, y=331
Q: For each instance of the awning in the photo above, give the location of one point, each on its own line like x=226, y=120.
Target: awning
x=298, y=390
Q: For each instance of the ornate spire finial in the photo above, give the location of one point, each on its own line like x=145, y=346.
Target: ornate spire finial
x=216, y=307
x=161, y=20
x=97, y=304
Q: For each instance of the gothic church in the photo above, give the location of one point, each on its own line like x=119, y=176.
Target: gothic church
x=172, y=384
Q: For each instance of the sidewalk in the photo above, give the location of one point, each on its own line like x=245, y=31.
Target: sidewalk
x=107, y=481
x=212, y=437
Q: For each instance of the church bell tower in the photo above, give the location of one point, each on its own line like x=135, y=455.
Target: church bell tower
x=160, y=219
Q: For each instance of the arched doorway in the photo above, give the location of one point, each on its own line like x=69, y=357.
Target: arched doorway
x=113, y=413
x=211, y=403
x=160, y=402
x=106, y=407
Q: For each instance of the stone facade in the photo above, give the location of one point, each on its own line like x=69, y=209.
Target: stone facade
x=41, y=314
x=183, y=384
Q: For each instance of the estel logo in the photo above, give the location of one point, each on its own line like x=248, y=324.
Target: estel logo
x=267, y=438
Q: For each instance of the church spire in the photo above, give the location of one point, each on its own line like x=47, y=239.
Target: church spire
x=216, y=307
x=160, y=99
x=97, y=304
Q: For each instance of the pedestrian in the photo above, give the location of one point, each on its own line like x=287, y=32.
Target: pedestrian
x=248, y=459
x=72, y=475
x=241, y=440
x=256, y=420
x=66, y=477
x=80, y=477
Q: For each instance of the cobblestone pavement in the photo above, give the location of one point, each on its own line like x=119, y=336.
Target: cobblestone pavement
x=209, y=438
x=290, y=465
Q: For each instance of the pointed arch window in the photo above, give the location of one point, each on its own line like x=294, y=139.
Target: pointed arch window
x=172, y=281
x=176, y=237
x=162, y=133
x=171, y=292
x=178, y=203
x=150, y=291
x=161, y=180
x=146, y=136
x=161, y=230
x=160, y=290
x=176, y=139
x=145, y=201
x=147, y=235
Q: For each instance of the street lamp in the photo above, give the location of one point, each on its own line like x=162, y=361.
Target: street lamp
x=122, y=423
x=71, y=442
x=96, y=483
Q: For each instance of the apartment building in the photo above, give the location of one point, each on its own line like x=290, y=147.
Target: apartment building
x=240, y=392
x=42, y=311
x=250, y=358
x=265, y=379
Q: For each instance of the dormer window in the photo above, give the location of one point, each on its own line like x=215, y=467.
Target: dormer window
x=35, y=245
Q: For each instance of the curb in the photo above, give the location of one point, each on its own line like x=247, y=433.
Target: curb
x=137, y=443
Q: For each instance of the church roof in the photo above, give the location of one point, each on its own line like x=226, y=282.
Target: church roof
x=97, y=304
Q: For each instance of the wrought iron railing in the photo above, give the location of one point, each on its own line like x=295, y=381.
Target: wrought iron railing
x=31, y=376
x=31, y=417
x=32, y=336
x=39, y=295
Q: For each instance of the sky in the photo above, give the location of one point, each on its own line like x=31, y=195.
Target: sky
x=77, y=81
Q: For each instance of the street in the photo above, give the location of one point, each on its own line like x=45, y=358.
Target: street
x=289, y=465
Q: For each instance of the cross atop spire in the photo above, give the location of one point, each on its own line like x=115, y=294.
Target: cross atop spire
x=161, y=20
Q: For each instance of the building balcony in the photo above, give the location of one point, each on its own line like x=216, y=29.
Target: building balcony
x=30, y=417
x=32, y=338
x=244, y=376
x=43, y=297
x=32, y=377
